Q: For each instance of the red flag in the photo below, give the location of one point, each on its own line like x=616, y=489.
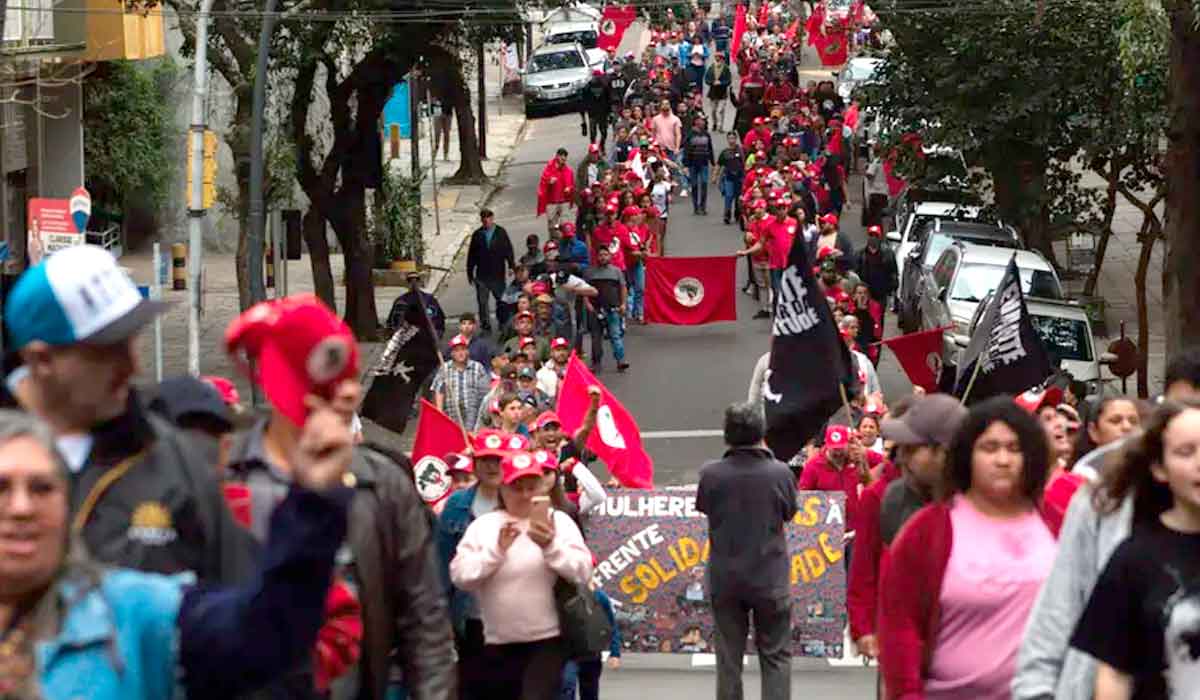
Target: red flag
x=613, y=23
x=815, y=26
x=739, y=28
x=920, y=354
x=691, y=291
x=833, y=48
x=617, y=439
x=437, y=435
x=790, y=34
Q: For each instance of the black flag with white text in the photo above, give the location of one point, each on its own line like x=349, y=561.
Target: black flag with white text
x=809, y=361
x=1006, y=354
x=409, y=358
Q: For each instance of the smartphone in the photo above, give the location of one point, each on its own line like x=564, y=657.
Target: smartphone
x=541, y=509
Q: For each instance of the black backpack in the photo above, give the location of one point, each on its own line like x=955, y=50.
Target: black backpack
x=584, y=626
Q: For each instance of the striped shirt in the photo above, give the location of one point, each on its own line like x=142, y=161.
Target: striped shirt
x=463, y=390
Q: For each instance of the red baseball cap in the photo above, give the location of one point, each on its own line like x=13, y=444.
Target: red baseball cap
x=227, y=390
x=567, y=229
x=875, y=231
x=824, y=252
x=830, y=219
x=526, y=342
x=300, y=347
x=547, y=460
x=525, y=313
x=459, y=463
x=595, y=147
x=1038, y=397
x=459, y=341
x=547, y=418
x=518, y=465
x=550, y=245
x=560, y=343
x=837, y=437
x=631, y=211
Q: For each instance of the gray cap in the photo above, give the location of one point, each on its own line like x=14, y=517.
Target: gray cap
x=931, y=420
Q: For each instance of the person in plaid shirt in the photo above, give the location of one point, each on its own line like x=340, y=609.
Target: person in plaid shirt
x=461, y=385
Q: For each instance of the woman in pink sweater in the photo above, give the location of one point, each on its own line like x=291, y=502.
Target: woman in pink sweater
x=511, y=563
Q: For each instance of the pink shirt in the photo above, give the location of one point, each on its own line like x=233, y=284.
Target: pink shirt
x=992, y=579
x=667, y=130
x=516, y=588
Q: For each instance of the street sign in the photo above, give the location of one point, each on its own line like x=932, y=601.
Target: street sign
x=210, y=170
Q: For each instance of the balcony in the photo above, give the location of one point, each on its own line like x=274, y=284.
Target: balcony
x=115, y=32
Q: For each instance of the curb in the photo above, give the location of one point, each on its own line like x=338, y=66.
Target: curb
x=438, y=277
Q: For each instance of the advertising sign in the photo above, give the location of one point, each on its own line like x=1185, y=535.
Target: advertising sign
x=52, y=225
x=652, y=553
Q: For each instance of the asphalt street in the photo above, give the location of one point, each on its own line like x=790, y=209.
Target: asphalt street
x=682, y=377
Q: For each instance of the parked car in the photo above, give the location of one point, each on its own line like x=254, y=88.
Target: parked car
x=584, y=33
x=929, y=241
x=911, y=217
x=954, y=288
x=858, y=71
x=597, y=59
x=1066, y=333
x=554, y=76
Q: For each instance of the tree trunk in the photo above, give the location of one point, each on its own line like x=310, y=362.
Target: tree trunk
x=1113, y=175
x=470, y=169
x=1147, y=237
x=1183, y=182
x=239, y=145
x=313, y=227
x=1019, y=176
x=348, y=223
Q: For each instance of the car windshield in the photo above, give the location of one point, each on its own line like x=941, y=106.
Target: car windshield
x=1064, y=338
x=938, y=242
x=975, y=280
x=860, y=71
x=555, y=61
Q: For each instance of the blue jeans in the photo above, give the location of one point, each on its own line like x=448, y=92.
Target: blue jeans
x=776, y=280
x=586, y=674
x=635, y=277
x=611, y=320
x=731, y=190
x=699, y=177
x=675, y=158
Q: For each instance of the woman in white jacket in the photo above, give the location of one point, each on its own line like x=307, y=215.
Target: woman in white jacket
x=511, y=561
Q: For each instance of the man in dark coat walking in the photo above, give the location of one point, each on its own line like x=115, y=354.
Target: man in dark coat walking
x=488, y=254
x=876, y=266
x=749, y=496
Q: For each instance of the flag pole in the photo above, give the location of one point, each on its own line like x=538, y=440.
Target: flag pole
x=437, y=347
x=971, y=382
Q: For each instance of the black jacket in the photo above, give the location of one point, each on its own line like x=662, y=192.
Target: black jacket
x=878, y=271
x=433, y=310
x=395, y=571
x=486, y=262
x=155, y=502
x=596, y=98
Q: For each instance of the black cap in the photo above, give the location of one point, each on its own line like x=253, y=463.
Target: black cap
x=179, y=399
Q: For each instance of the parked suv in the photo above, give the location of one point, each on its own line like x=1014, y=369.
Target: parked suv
x=963, y=277
x=928, y=244
x=555, y=76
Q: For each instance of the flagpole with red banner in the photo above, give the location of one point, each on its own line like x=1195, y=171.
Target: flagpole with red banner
x=739, y=28
x=616, y=439
x=914, y=352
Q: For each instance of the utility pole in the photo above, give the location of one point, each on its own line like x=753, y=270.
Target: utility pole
x=482, y=104
x=196, y=210
x=256, y=238
x=414, y=135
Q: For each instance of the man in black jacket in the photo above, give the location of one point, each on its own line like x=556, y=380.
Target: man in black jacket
x=749, y=496
x=489, y=252
x=596, y=103
x=433, y=309
x=144, y=495
x=876, y=266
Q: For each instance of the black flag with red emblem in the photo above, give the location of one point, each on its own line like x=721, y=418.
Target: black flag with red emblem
x=410, y=356
x=810, y=363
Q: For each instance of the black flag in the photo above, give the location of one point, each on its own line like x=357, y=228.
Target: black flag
x=809, y=361
x=1005, y=355
x=407, y=361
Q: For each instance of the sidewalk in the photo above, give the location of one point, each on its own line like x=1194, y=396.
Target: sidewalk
x=458, y=212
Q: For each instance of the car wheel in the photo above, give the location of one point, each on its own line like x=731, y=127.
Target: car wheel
x=530, y=110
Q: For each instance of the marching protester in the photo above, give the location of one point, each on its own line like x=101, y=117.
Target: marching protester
x=479, y=347
x=1096, y=522
x=403, y=615
x=718, y=78
x=749, y=496
x=74, y=334
x=939, y=637
x=699, y=156
x=607, y=310
x=195, y=406
x=510, y=559
x=490, y=257
x=73, y=627
x=415, y=295
x=460, y=384
x=556, y=190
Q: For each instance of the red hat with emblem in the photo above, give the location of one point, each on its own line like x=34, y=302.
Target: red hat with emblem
x=825, y=252
x=837, y=437
x=567, y=229
x=519, y=465
x=559, y=343
x=299, y=347
x=547, y=460
x=631, y=211
x=830, y=219
x=875, y=231
x=459, y=341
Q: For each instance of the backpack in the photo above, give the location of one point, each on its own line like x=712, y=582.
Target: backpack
x=584, y=627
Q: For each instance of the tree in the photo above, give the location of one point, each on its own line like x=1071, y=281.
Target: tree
x=1182, y=227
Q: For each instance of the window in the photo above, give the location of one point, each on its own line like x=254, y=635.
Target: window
x=558, y=60
x=943, y=271
x=1064, y=338
x=975, y=280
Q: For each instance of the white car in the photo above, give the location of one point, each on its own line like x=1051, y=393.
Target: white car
x=911, y=219
x=586, y=33
x=858, y=71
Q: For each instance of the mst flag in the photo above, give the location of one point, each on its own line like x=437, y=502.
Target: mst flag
x=437, y=436
x=739, y=28
x=616, y=438
x=691, y=291
x=613, y=23
x=920, y=354
x=1005, y=355
x=809, y=361
x=407, y=360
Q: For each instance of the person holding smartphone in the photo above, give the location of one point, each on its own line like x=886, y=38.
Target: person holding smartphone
x=510, y=559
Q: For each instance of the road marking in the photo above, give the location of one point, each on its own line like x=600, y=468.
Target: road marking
x=676, y=434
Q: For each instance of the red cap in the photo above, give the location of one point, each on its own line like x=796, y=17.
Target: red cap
x=560, y=343
x=459, y=341
x=759, y=204
x=594, y=147
x=825, y=252
x=518, y=465
x=545, y=419
x=597, y=72
x=611, y=208
x=300, y=346
x=830, y=219
x=759, y=121
x=875, y=232
x=567, y=229
x=224, y=387
x=497, y=443
x=1038, y=397
x=459, y=463
x=837, y=437
x=547, y=460
x=526, y=342
x=550, y=245
x=631, y=211
x=521, y=314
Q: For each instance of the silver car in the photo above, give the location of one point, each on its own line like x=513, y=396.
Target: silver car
x=555, y=76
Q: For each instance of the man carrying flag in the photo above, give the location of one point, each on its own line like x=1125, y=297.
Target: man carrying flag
x=811, y=373
x=409, y=358
x=1005, y=355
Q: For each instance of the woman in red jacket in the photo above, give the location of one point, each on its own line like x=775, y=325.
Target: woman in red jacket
x=964, y=572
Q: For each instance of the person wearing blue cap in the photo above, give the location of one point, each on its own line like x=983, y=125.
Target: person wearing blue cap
x=143, y=495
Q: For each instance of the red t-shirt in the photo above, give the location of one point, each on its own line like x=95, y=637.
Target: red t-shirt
x=604, y=236
x=782, y=233
x=758, y=233
x=820, y=475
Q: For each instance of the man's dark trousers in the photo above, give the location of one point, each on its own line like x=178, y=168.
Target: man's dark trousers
x=485, y=289
x=772, y=640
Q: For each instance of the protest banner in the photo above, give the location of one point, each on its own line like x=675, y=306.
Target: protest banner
x=652, y=549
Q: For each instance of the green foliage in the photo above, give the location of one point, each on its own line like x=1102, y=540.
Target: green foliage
x=128, y=132
x=398, y=222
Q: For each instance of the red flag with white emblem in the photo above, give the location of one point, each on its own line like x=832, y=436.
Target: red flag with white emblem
x=616, y=439
x=613, y=23
x=437, y=436
x=691, y=291
x=920, y=355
